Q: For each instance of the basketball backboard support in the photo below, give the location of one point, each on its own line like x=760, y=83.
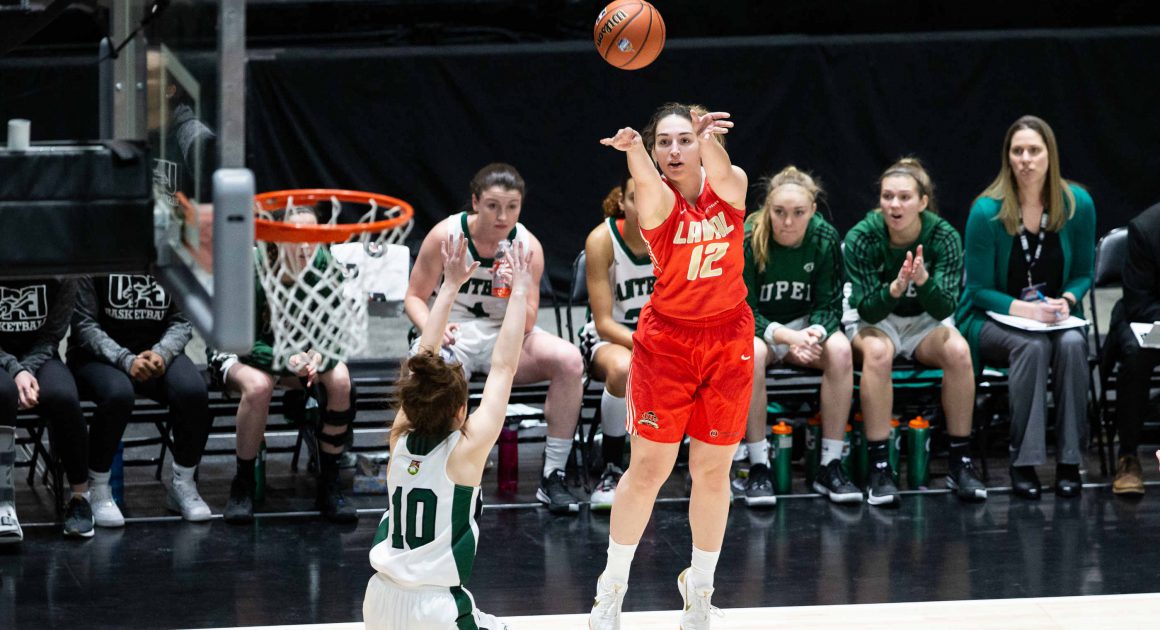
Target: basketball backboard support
x=189, y=102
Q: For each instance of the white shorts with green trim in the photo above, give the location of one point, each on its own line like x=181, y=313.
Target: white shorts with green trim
x=390, y=606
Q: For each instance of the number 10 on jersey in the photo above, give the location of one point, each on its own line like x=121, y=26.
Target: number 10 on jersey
x=702, y=259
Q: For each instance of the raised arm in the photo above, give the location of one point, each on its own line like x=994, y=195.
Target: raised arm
x=728, y=181
x=457, y=267
x=483, y=426
x=654, y=199
x=424, y=278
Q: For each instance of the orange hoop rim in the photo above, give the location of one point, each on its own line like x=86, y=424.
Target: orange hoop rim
x=282, y=232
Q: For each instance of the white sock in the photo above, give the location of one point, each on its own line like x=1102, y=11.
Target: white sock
x=619, y=561
x=704, y=565
x=758, y=452
x=613, y=412
x=556, y=454
x=181, y=474
x=99, y=479
x=831, y=450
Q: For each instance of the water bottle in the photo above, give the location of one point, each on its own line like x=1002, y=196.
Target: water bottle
x=260, y=474
x=509, y=457
x=859, y=452
x=312, y=423
x=499, y=285
x=845, y=460
x=117, y=475
x=918, y=452
x=782, y=452
x=813, y=446
x=894, y=448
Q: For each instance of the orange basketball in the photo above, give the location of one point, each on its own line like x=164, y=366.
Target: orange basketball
x=629, y=34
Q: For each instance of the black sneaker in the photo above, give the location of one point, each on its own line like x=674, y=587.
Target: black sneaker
x=759, y=487
x=78, y=518
x=333, y=503
x=555, y=494
x=965, y=481
x=240, y=506
x=831, y=482
x=880, y=488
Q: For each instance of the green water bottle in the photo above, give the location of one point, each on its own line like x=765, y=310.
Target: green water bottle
x=813, y=447
x=260, y=474
x=918, y=453
x=859, y=452
x=894, y=448
x=782, y=453
x=845, y=460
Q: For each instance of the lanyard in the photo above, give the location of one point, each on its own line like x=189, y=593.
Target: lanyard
x=1038, y=247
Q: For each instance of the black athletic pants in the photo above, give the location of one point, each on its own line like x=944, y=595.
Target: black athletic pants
x=182, y=388
x=60, y=408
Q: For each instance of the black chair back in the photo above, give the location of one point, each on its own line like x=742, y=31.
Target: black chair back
x=1111, y=254
x=578, y=292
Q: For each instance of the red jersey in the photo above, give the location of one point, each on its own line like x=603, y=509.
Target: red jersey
x=698, y=255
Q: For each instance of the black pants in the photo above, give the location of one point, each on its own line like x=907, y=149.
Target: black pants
x=182, y=388
x=1132, y=391
x=60, y=408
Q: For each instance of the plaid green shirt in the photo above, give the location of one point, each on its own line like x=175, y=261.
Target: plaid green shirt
x=872, y=263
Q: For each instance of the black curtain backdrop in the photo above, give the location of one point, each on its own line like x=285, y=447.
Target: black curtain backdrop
x=418, y=123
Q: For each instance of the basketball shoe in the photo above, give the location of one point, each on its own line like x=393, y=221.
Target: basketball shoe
x=605, y=491
x=606, y=609
x=698, y=605
x=104, y=508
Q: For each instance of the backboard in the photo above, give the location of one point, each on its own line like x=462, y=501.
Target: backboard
x=191, y=65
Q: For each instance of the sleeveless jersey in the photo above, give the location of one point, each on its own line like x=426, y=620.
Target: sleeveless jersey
x=631, y=278
x=429, y=535
x=699, y=257
x=475, y=300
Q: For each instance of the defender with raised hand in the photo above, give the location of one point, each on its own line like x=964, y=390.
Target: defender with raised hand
x=425, y=545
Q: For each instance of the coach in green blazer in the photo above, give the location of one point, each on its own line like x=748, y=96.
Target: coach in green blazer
x=1030, y=243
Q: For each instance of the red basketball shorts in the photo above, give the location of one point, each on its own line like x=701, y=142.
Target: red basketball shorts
x=691, y=377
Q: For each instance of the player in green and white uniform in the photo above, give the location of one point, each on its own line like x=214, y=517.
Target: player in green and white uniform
x=497, y=193
x=793, y=270
x=620, y=280
x=905, y=265
x=425, y=545
x=253, y=378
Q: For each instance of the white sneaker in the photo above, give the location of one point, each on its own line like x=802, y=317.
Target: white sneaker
x=183, y=497
x=698, y=605
x=10, y=532
x=105, y=510
x=606, y=609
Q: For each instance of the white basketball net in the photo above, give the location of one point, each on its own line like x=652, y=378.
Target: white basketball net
x=313, y=302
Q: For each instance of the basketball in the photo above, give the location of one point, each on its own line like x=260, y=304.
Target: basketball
x=629, y=34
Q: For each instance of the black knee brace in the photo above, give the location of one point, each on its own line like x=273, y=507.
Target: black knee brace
x=336, y=419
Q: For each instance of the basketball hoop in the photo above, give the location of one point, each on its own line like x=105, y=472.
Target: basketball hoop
x=307, y=306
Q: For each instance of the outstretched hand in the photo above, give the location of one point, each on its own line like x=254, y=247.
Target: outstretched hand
x=457, y=265
x=624, y=139
x=712, y=123
x=519, y=263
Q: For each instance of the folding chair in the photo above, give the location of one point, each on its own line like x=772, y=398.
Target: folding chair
x=1111, y=254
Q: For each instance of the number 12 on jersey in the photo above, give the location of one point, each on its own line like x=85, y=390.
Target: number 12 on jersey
x=702, y=259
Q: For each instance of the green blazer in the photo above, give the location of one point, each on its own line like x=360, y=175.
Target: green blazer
x=988, y=252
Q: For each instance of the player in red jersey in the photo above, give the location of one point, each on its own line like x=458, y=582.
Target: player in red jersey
x=691, y=368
